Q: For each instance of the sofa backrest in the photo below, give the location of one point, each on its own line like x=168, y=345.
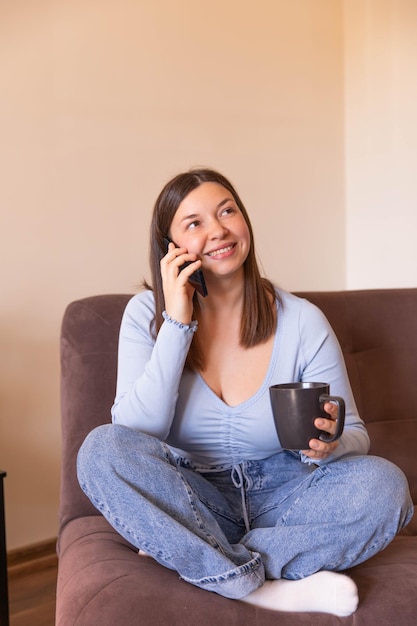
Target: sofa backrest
x=377, y=330
x=89, y=340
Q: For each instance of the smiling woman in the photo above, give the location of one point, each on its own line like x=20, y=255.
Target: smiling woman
x=211, y=227
x=258, y=317
x=239, y=513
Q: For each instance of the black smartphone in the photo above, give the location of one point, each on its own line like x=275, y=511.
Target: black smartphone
x=197, y=278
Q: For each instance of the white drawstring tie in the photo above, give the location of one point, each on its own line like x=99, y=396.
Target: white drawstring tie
x=239, y=482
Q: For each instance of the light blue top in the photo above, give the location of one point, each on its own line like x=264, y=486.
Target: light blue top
x=156, y=395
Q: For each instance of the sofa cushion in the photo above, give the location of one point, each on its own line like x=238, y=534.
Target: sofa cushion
x=100, y=575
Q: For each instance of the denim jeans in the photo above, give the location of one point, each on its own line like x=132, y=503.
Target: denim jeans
x=228, y=529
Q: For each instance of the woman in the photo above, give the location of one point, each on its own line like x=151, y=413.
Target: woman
x=191, y=471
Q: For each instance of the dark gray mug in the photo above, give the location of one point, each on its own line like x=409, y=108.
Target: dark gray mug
x=295, y=406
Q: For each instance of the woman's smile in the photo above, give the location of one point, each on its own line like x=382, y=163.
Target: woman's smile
x=222, y=252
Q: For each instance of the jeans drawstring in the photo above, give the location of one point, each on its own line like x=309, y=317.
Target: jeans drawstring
x=239, y=482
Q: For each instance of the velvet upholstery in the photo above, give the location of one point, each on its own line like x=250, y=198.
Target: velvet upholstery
x=101, y=579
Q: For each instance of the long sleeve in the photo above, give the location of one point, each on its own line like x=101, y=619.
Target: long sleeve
x=149, y=371
x=324, y=362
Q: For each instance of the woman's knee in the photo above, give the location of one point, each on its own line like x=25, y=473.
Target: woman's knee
x=387, y=488
x=97, y=441
x=387, y=476
x=113, y=446
x=93, y=451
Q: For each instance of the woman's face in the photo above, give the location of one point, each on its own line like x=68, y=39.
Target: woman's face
x=209, y=223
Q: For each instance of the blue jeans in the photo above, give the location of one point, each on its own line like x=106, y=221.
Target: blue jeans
x=228, y=529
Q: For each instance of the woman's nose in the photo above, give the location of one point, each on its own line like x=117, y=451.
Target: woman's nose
x=217, y=230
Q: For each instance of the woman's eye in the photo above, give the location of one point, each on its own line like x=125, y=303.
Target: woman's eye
x=192, y=225
x=228, y=210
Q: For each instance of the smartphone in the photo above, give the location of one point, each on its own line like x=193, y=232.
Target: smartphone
x=197, y=278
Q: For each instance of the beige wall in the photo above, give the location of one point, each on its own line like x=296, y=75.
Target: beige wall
x=102, y=101
x=381, y=143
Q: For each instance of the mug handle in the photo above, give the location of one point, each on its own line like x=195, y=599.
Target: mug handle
x=340, y=420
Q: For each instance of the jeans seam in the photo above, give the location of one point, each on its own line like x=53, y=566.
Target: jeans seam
x=209, y=537
x=252, y=567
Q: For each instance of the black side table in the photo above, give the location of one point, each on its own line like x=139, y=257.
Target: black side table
x=4, y=591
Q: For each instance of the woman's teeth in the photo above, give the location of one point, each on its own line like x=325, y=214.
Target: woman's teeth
x=220, y=251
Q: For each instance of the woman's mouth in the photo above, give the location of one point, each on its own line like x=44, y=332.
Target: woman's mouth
x=221, y=251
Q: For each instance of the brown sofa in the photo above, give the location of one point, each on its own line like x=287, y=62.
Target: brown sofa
x=101, y=579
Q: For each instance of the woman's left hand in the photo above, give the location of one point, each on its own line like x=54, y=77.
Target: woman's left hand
x=320, y=449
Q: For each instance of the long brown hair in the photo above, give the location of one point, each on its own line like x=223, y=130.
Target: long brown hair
x=258, y=321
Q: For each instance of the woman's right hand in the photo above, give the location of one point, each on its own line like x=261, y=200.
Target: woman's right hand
x=178, y=292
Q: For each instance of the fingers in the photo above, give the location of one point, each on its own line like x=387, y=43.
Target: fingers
x=329, y=425
x=178, y=292
x=320, y=449
x=174, y=260
x=331, y=409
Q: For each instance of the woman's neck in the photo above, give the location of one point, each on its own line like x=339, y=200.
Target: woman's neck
x=224, y=298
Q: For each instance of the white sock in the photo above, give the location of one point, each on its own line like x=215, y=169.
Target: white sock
x=142, y=553
x=324, y=592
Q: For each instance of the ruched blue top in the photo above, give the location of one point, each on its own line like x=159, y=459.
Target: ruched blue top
x=157, y=395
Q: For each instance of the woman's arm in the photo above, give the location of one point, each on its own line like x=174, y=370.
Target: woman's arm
x=149, y=371
x=324, y=362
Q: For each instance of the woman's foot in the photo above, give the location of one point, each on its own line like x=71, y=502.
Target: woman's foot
x=324, y=592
